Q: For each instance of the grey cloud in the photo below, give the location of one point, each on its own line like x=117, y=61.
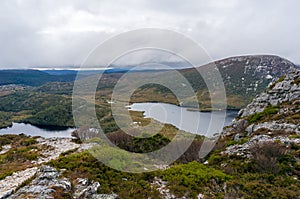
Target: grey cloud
x=59, y=33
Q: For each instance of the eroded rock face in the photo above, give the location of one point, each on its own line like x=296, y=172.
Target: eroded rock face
x=162, y=188
x=52, y=148
x=45, y=184
x=274, y=126
x=5, y=149
x=104, y=196
x=56, y=146
x=84, y=188
x=284, y=94
x=9, y=184
x=49, y=182
x=243, y=149
x=251, y=74
x=283, y=91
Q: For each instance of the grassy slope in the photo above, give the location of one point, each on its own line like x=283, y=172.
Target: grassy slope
x=23, y=151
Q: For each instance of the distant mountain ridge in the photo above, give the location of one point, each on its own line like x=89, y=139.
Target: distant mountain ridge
x=243, y=77
x=250, y=75
x=31, y=77
x=257, y=66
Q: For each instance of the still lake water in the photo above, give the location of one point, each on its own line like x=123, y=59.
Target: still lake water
x=204, y=123
x=28, y=129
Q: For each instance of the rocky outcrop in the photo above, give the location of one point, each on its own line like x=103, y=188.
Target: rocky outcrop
x=274, y=126
x=11, y=183
x=46, y=177
x=85, y=188
x=49, y=183
x=5, y=149
x=250, y=75
x=161, y=186
x=44, y=185
x=282, y=96
x=243, y=149
x=283, y=91
x=54, y=147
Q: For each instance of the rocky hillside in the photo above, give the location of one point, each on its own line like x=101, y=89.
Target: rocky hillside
x=251, y=74
x=243, y=77
x=272, y=115
x=24, y=175
x=247, y=76
x=261, y=148
x=48, y=183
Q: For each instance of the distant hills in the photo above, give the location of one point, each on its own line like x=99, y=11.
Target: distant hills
x=250, y=75
x=32, y=77
x=39, y=77
x=60, y=72
x=243, y=76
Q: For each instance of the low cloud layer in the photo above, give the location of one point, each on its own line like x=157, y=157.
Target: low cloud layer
x=53, y=33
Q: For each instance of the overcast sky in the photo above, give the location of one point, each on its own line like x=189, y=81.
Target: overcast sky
x=57, y=33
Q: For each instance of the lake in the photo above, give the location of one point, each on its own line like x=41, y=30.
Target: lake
x=204, y=123
x=28, y=129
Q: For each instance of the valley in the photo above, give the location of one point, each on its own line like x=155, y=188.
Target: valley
x=139, y=99
x=256, y=156
x=51, y=103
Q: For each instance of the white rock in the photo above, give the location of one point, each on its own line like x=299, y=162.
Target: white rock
x=9, y=184
x=5, y=148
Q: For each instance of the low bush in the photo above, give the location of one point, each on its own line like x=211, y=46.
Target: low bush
x=265, y=156
x=297, y=81
x=193, y=178
x=126, y=185
x=23, y=151
x=268, y=111
x=279, y=80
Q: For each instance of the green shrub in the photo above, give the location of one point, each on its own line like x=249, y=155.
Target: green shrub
x=4, y=141
x=253, y=185
x=294, y=136
x=267, y=156
x=279, y=80
x=230, y=143
x=295, y=146
x=244, y=140
x=214, y=159
x=255, y=117
x=192, y=178
x=28, y=142
x=126, y=185
x=233, y=142
x=268, y=111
